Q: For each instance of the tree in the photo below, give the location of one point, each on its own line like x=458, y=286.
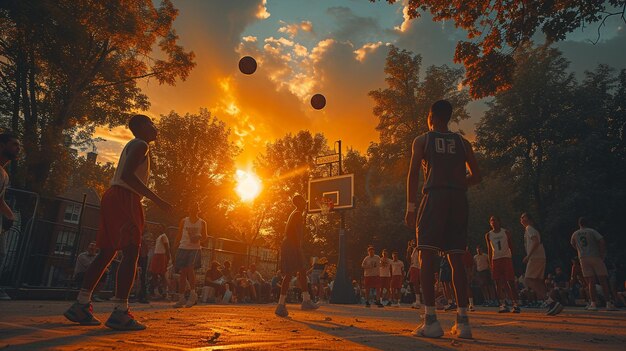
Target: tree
x=70, y=66
x=194, y=163
x=496, y=29
x=403, y=106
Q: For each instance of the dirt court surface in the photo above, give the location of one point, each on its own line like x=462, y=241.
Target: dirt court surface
x=39, y=325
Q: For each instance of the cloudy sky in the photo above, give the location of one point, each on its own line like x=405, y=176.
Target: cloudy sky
x=303, y=47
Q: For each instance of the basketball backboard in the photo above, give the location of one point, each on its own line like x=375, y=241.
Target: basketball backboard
x=340, y=189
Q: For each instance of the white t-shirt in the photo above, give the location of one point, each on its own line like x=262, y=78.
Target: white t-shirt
x=396, y=267
x=528, y=235
x=586, y=241
x=499, y=243
x=191, y=230
x=371, y=266
x=142, y=172
x=159, y=247
x=385, y=267
x=482, y=262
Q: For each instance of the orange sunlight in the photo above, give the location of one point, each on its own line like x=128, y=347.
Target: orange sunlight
x=248, y=185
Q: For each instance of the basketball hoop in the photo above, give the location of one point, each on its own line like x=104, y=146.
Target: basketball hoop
x=326, y=205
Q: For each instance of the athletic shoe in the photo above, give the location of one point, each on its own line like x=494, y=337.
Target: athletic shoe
x=516, y=309
x=591, y=307
x=123, y=320
x=397, y=305
x=450, y=307
x=555, y=308
x=181, y=302
x=4, y=296
x=281, y=310
x=610, y=306
x=367, y=304
x=389, y=303
x=379, y=304
x=309, y=305
x=81, y=314
x=504, y=309
x=193, y=299
x=96, y=298
x=430, y=328
x=471, y=308
x=461, y=329
x=416, y=305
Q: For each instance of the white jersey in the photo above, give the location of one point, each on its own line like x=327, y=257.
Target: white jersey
x=499, y=243
x=371, y=266
x=385, y=267
x=586, y=241
x=159, y=247
x=396, y=267
x=191, y=233
x=415, y=258
x=530, y=233
x=142, y=172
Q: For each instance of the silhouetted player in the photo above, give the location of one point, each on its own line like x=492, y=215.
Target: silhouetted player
x=443, y=213
x=292, y=259
x=121, y=227
x=9, y=151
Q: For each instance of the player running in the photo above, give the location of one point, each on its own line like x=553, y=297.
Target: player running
x=536, y=264
x=500, y=254
x=121, y=226
x=441, y=221
x=591, y=249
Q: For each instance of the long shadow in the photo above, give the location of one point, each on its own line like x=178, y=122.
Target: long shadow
x=67, y=340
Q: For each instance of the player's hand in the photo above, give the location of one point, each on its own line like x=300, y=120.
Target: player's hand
x=410, y=219
x=525, y=259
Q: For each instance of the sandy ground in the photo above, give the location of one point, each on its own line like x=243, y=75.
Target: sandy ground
x=39, y=325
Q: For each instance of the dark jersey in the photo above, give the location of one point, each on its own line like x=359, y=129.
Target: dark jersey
x=444, y=162
x=295, y=227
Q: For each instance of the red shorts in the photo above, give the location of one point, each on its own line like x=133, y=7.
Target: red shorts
x=414, y=275
x=396, y=281
x=384, y=282
x=121, y=219
x=370, y=282
x=158, y=264
x=502, y=269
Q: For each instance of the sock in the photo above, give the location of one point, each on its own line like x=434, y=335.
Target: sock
x=282, y=299
x=122, y=305
x=84, y=296
x=471, y=300
x=418, y=298
x=430, y=310
x=306, y=296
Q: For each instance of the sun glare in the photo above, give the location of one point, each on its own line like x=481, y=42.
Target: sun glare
x=248, y=185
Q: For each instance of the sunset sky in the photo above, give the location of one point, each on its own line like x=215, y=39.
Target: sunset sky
x=336, y=48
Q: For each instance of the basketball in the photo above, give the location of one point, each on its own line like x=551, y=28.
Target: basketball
x=318, y=101
x=247, y=65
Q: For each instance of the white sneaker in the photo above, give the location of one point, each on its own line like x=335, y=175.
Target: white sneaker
x=610, y=306
x=416, y=305
x=397, y=304
x=182, y=301
x=591, y=308
x=193, y=299
x=461, y=329
x=430, y=328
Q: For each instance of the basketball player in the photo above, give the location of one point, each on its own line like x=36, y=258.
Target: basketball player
x=292, y=260
x=591, y=249
x=9, y=151
x=414, y=276
x=500, y=254
x=121, y=226
x=191, y=231
x=397, y=275
x=371, y=276
x=384, y=280
x=536, y=264
x=441, y=221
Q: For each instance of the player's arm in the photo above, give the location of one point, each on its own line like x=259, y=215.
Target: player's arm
x=474, y=176
x=533, y=246
x=412, y=181
x=509, y=240
x=179, y=236
x=136, y=155
x=489, y=252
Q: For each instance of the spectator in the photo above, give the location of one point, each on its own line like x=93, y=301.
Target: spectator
x=276, y=284
x=213, y=280
x=317, y=269
x=481, y=264
x=228, y=275
x=83, y=261
x=142, y=262
x=244, y=289
x=577, y=282
x=261, y=287
x=384, y=280
x=159, y=263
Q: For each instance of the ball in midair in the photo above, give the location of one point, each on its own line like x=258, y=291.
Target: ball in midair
x=247, y=65
x=318, y=101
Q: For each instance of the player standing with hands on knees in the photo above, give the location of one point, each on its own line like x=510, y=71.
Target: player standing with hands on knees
x=441, y=221
x=121, y=226
x=9, y=151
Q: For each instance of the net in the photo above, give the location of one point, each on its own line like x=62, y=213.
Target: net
x=326, y=205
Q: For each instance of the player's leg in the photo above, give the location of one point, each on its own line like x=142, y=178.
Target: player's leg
x=593, y=295
x=307, y=303
x=281, y=308
x=459, y=279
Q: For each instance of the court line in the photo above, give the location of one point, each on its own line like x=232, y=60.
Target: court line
x=500, y=324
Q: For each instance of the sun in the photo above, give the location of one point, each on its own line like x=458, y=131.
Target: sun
x=248, y=185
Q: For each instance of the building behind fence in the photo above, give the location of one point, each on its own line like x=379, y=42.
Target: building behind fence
x=49, y=233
